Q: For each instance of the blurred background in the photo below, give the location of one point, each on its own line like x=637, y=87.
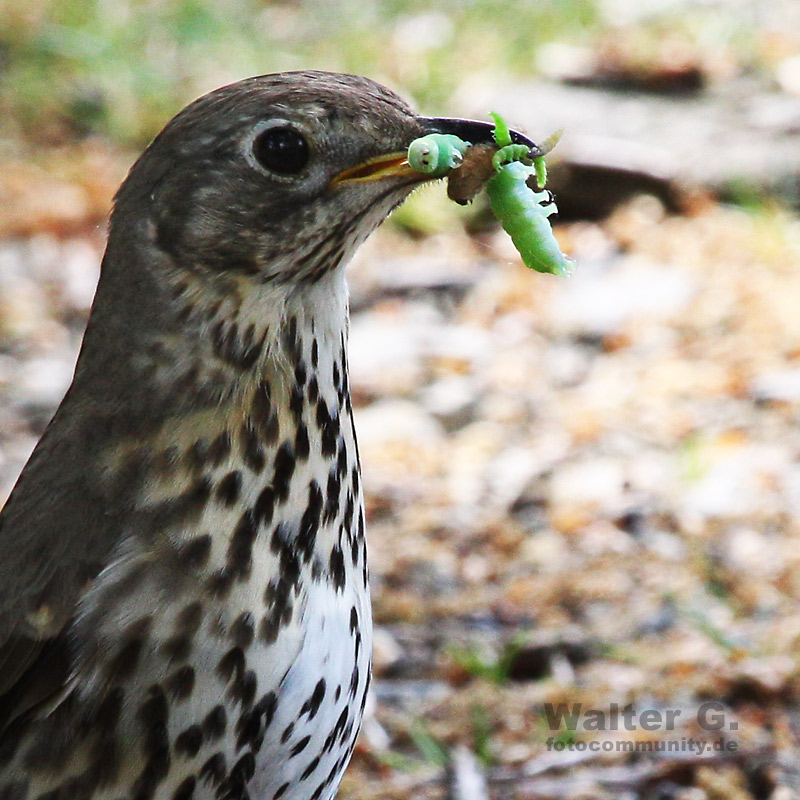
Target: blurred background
x=579, y=491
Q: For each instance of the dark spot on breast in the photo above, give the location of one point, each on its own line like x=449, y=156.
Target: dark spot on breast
x=252, y=451
x=332, y=496
x=314, y=353
x=248, y=728
x=212, y=311
x=341, y=459
x=319, y=790
x=189, y=619
x=219, y=449
x=289, y=565
x=179, y=685
x=336, y=568
x=243, y=689
x=243, y=630
x=197, y=455
x=281, y=791
x=215, y=723
x=349, y=510
x=354, y=681
x=153, y=716
x=254, y=722
x=262, y=401
x=329, y=428
x=182, y=508
x=265, y=506
x=198, y=493
x=296, y=402
x=263, y=415
x=277, y=597
x=239, y=349
x=219, y=584
x=364, y=693
x=300, y=373
x=311, y=706
x=336, y=731
x=309, y=524
x=313, y=390
x=270, y=429
x=251, y=350
x=302, y=446
x=232, y=663
x=268, y=703
x=299, y=747
x=309, y=769
x=213, y=771
x=328, y=261
x=284, y=469
x=242, y=771
x=195, y=553
x=228, y=488
x=291, y=342
x=346, y=732
x=287, y=733
x=240, y=550
x=132, y=641
x=185, y=790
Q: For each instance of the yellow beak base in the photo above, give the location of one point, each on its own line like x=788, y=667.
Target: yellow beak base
x=394, y=165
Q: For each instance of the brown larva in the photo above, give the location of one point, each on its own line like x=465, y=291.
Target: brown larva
x=476, y=169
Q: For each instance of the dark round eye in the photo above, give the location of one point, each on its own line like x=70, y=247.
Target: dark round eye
x=282, y=150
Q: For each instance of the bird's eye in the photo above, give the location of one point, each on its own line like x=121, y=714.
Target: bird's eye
x=282, y=150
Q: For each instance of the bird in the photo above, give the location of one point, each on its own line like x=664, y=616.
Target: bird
x=184, y=602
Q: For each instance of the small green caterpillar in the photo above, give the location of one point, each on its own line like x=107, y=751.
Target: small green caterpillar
x=436, y=154
x=522, y=212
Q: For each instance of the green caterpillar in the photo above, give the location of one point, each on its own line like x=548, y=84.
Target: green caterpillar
x=522, y=212
x=436, y=154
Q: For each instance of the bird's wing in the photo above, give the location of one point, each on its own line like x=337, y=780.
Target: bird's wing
x=56, y=534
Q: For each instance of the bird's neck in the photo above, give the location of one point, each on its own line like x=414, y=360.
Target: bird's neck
x=261, y=419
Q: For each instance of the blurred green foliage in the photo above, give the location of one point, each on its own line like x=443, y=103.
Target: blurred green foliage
x=430, y=748
x=482, y=729
x=122, y=67
x=495, y=668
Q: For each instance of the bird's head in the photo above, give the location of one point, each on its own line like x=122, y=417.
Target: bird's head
x=277, y=177
x=246, y=180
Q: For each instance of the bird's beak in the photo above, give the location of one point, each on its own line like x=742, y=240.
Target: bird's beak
x=470, y=130
x=395, y=164
x=391, y=165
